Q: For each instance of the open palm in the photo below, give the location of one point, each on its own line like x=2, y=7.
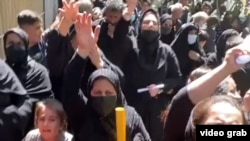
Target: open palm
x=87, y=39
x=69, y=10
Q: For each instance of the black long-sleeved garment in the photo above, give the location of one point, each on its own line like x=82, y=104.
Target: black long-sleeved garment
x=178, y=116
x=115, y=49
x=33, y=76
x=74, y=90
x=148, y=63
x=15, y=108
x=59, y=53
x=86, y=124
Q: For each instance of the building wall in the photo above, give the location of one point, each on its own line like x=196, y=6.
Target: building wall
x=9, y=10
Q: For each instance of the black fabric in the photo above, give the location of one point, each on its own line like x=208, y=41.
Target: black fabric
x=115, y=45
x=150, y=56
x=9, y=82
x=90, y=126
x=15, y=109
x=215, y=59
x=59, y=54
x=167, y=39
x=32, y=75
x=150, y=63
x=74, y=88
x=181, y=48
x=190, y=129
x=180, y=109
x=241, y=78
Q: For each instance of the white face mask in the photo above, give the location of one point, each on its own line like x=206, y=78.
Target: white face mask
x=192, y=38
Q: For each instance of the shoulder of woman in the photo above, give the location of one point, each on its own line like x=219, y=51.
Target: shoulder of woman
x=33, y=135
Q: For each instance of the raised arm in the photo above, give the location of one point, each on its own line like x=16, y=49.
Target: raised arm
x=211, y=80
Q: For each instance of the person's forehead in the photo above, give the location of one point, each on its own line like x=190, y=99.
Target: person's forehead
x=150, y=16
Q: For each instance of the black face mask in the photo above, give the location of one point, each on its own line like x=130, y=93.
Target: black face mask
x=149, y=35
x=165, y=30
x=103, y=105
x=16, y=54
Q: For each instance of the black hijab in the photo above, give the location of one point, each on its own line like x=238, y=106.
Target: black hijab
x=113, y=78
x=9, y=85
x=181, y=48
x=32, y=75
x=96, y=127
x=151, y=55
x=167, y=39
x=181, y=39
x=221, y=43
x=24, y=37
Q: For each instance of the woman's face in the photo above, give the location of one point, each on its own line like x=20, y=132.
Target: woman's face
x=49, y=124
x=150, y=22
x=103, y=87
x=192, y=32
x=223, y=114
x=168, y=23
x=13, y=38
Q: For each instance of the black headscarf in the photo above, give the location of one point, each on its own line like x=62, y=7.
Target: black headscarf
x=113, y=78
x=151, y=55
x=24, y=37
x=167, y=39
x=181, y=47
x=104, y=126
x=9, y=85
x=32, y=75
x=221, y=43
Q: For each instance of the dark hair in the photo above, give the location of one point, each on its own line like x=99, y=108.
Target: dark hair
x=28, y=17
x=203, y=35
x=114, y=6
x=55, y=106
x=198, y=72
x=201, y=110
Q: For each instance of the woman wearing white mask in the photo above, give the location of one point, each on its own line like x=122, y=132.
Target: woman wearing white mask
x=187, y=49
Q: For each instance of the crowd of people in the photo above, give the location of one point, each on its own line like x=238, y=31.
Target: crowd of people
x=64, y=83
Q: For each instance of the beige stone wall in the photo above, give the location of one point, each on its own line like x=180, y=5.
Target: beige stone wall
x=9, y=10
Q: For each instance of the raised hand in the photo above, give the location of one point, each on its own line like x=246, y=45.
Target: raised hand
x=70, y=10
x=86, y=38
x=131, y=5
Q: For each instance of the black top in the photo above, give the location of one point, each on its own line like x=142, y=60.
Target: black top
x=33, y=76
x=86, y=123
x=178, y=116
x=181, y=48
x=15, y=109
x=148, y=63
